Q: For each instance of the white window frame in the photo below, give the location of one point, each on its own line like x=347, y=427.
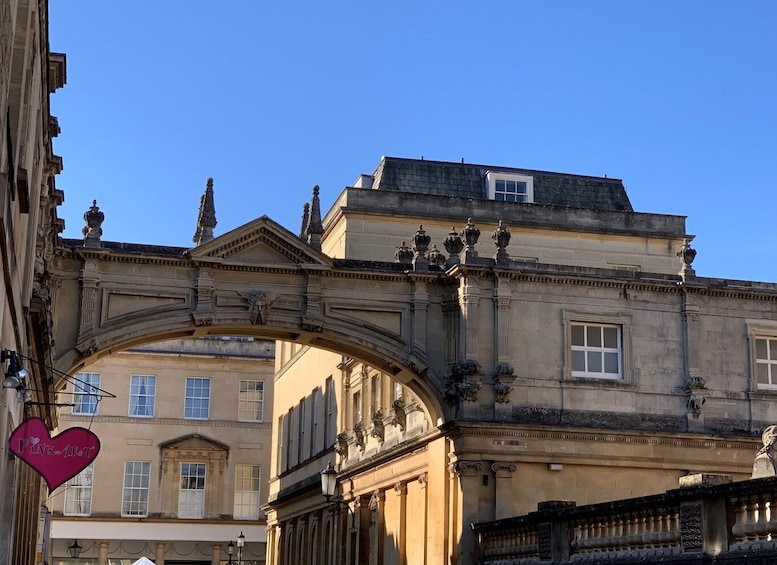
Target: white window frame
x=137, y=483
x=78, y=493
x=491, y=183
x=136, y=396
x=246, y=501
x=250, y=401
x=620, y=320
x=767, y=330
x=769, y=363
x=86, y=394
x=187, y=409
x=189, y=497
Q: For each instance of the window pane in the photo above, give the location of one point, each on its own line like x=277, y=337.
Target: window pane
x=578, y=360
x=578, y=335
x=773, y=349
x=763, y=373
x=611, y=337
x=594, y=362
x=142, y=395
x=611, y=363
x=594, y=335
x=85, y=395
x=760, y=349
x=500, y=186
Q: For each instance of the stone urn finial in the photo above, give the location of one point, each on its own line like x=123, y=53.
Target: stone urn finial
x=453, y=245
x=403, y=255
x=686, y=254
x=421, y=242
x=93, y=229
x=501, y=239
x=470, y=234
x=436, y=257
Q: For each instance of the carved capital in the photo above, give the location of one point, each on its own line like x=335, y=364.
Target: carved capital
x=503, y=470
x=400, y=488
x=464, y=468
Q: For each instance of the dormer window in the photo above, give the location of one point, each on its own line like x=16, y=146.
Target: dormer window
x=508, y=187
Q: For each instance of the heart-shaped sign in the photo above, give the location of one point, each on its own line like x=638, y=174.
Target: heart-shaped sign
x=57, y=458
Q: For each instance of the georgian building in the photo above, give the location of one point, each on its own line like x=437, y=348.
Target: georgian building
x=29, y=227
x=185, y=428
x=586, y=360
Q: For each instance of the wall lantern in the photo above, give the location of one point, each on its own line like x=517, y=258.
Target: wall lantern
x=328, y=481
x=329, y=488
x=74, y=549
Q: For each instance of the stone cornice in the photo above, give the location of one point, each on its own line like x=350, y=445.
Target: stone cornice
x=164, y=421
x=463, y=429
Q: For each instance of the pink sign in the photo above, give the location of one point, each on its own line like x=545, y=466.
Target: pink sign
x=57, y=458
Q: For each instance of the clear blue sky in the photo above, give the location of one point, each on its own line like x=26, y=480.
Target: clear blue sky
x=678, y=98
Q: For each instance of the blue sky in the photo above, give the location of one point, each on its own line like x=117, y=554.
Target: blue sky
x=678, y=98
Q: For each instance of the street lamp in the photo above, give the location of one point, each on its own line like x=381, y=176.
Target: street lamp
x=230, y=550
x=328, y=481
x=74, y=549
x=329, y=488
x=241, y=541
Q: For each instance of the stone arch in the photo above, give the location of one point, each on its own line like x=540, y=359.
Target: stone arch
x=258, y=280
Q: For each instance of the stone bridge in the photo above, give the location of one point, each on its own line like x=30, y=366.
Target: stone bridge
x=258, y=280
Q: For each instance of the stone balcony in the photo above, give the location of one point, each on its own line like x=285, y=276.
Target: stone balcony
x=708, y=520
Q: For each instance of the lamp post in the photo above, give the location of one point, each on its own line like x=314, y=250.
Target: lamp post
x=230, y=550
x=241, y=541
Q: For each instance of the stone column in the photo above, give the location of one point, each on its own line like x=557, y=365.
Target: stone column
x=102, y=552
x=160, y=553
x=215, y=553
x=503, y=473
x=401, y=491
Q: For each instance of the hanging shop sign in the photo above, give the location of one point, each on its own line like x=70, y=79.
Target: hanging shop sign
x=57, y=458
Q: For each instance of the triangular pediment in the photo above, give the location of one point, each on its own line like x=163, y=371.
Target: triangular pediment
x=194, y=442
x=259, y=242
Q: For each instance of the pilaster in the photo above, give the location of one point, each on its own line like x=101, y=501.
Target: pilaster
x=503, y=476
x=400, y=489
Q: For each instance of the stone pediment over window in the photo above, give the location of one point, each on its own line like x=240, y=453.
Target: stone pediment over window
x=193, y=442
x=261, y=241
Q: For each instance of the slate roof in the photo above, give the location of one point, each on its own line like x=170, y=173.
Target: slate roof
x=469, y=181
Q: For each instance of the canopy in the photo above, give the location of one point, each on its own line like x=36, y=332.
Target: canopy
x=143, y=561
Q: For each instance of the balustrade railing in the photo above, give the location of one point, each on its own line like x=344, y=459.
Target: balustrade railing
x=708, y=515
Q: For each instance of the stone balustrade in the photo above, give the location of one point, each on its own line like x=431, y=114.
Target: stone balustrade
x=709, y=519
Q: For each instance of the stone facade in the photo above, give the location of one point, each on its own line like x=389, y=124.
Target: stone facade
x=134, y=501
x=29, y=227
x=526, y=331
